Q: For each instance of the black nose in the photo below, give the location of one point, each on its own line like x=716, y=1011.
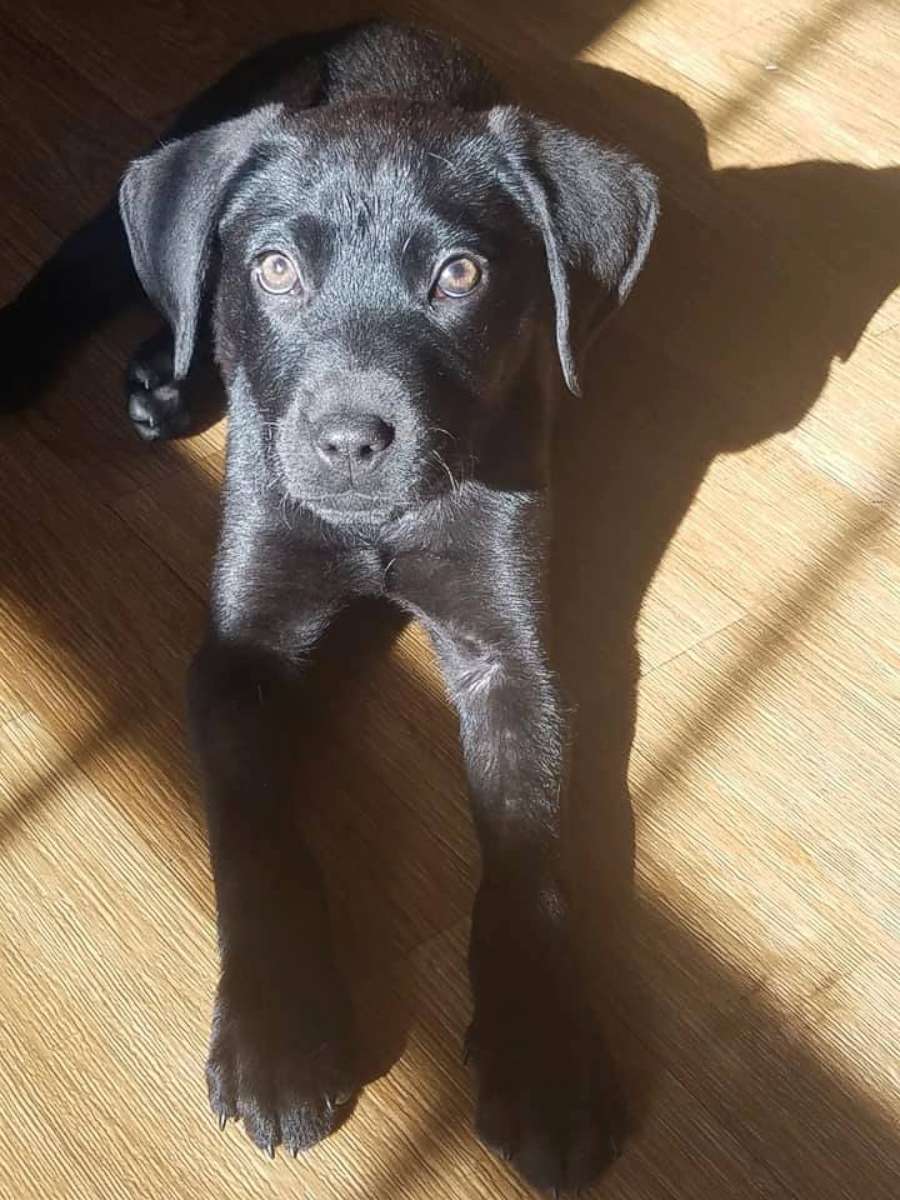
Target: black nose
x=357, y=438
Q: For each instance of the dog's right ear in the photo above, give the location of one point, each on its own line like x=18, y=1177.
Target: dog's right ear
x=596, y=209
x=170, y=203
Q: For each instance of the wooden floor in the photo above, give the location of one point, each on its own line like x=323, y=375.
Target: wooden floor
x=727, y=587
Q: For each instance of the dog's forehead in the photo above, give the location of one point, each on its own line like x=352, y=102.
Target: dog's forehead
x=391, y=137
x=384, y=167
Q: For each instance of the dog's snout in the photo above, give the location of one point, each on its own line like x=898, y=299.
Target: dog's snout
x=357, y=438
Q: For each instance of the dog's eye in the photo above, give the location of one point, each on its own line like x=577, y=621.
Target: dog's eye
x=458, y=277
x=277, y=274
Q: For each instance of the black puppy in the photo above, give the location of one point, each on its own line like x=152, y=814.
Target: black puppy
x=384, y=254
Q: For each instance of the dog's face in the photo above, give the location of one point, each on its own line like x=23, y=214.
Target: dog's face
x=378, y=295
x=383, y=272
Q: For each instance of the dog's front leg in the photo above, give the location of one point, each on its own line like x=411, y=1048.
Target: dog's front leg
x=545, y=1095
x=281, y=1053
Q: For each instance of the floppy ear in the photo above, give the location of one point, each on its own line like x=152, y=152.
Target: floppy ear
x=596, y=209
x=170, y=203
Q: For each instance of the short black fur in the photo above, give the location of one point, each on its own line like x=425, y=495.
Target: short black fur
x=385, y=439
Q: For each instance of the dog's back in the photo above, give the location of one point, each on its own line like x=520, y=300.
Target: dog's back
x=375, y=58
x=384, y=59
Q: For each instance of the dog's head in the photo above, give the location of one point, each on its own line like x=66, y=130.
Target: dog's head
x=380, y=273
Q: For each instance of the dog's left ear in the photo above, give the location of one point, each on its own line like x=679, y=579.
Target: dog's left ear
x=170, y=203
x=596, y=209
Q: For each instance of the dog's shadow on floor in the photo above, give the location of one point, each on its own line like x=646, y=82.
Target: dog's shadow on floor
x=758, y=280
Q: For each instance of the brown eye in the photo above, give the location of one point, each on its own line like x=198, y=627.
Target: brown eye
x=276, y=273
x=458, y=277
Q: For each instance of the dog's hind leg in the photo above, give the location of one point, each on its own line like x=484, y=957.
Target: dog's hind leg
x=78, y=289
x=84, y=284
x=159, y=405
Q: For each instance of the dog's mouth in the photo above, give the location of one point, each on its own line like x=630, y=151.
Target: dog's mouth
x=369, y=501
x=353, y=505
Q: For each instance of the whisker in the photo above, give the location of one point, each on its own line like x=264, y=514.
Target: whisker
x=285, y=500
x=445, y=432
x=453, y=483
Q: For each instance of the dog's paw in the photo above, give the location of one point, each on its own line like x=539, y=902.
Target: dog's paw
x=546, y=1100
x=157, y=405
x=288, y=1080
